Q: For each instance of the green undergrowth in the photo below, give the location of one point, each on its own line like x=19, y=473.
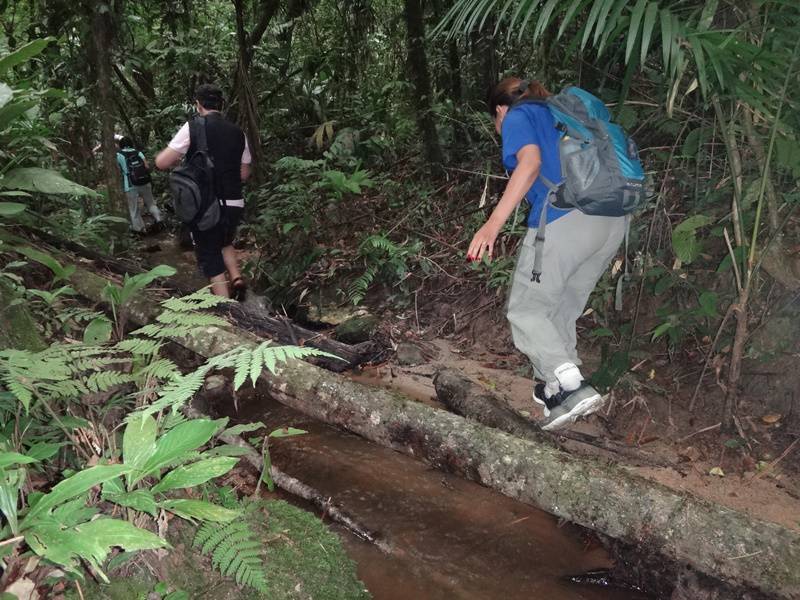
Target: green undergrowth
x=304, y=561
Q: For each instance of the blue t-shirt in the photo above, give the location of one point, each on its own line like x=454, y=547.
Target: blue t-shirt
x=532, y=123
x=123, y=166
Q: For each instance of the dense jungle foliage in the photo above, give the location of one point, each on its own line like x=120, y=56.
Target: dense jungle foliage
x=375, y=162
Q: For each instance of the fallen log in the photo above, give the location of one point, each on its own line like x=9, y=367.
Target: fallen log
x=253, y=318
x=761, y=558
x=468, y=399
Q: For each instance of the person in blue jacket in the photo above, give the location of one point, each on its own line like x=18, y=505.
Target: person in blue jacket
x=579, y=248
x=136, y=184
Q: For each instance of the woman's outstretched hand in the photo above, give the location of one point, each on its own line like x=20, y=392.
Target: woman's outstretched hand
x=483, y=242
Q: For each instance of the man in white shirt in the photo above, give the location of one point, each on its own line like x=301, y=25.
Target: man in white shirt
x=228, y=147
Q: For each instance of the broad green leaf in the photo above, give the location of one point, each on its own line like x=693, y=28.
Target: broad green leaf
x=647, y=28
x=5, y=94
x=708, y=304
x=14, y=458
x=45, y=181
x=23, y=53
x=286, y=432
x=73, y=486
x=633, y=30
x=243, y=428
x=199, y=509
x=48, y=261
x=11, y=112
x=138, y=443
x=141, y=500
x=9, y=209
x=707, y=16
x=43, y=450
x=225, y=450
x=602, y=332
x=9, y=497
x=661, y=330
x=98, y=331
x=685, y=245
x=191, y=475
x=90, y=541
x=177, y=443
x=666, y=37
x=694, y=222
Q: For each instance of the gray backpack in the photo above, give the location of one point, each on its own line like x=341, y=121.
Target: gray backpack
x=194, y=196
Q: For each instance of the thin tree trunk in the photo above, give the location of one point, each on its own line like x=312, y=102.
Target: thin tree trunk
x=420, y=78
x=102, y=41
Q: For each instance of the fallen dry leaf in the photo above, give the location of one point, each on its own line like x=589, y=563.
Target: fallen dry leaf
x=717, y=471
x=771, y=418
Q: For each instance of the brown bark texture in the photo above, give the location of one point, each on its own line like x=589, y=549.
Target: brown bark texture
x=102, y=39
x=718, y=541
x=414, y=14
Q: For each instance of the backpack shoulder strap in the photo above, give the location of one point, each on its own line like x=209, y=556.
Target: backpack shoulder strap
x=197, y=132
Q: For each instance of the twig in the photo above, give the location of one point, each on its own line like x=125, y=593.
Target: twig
x=13, y=540
x=727, y=316
x=80, y=591
x=771, y=465
x=733, y=259
x=703, y=430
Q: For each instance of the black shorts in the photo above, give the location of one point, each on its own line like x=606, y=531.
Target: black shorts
x=208, y=245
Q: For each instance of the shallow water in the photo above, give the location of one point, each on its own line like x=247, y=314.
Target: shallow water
x=451, y=538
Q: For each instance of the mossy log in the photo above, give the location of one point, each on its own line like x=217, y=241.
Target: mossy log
x=723, y=543
x=468, y=399
x=17, y=326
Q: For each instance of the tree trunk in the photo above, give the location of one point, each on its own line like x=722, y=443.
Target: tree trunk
x=102, y=41
x=678, y=527
x=247, y=110
x=420, y=78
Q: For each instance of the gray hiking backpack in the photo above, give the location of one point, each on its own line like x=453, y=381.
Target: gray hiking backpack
x=194, y=196
x=601, y=171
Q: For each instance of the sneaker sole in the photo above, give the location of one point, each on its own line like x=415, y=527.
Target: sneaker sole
x=545, y=410
x=584, y=408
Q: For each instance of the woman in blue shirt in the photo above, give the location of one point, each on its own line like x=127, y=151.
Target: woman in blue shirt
x=579, y=248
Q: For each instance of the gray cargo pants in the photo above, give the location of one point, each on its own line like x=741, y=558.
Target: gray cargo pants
x=577, y=251
x=135, y=211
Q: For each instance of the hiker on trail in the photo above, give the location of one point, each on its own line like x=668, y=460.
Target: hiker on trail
x=136, y=183
x=227, y=147
x=578, y=249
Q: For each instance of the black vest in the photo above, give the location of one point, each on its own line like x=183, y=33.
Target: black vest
x=225, y=144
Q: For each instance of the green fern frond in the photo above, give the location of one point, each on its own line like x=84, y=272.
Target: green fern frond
x=242, y=364
x=187, y=319
x=234, y=550
x=162, y=368
x=104, y=380
x=139, y=346
x=199, y=300
x=358, y=288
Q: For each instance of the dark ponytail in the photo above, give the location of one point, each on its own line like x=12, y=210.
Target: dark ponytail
x=514, y=89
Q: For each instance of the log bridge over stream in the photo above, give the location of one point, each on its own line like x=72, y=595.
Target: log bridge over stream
x=750, y=557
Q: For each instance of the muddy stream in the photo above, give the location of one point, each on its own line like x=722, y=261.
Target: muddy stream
x=450, y=538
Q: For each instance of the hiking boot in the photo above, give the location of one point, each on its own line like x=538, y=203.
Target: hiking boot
x=579, y=403
x=548, y=402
